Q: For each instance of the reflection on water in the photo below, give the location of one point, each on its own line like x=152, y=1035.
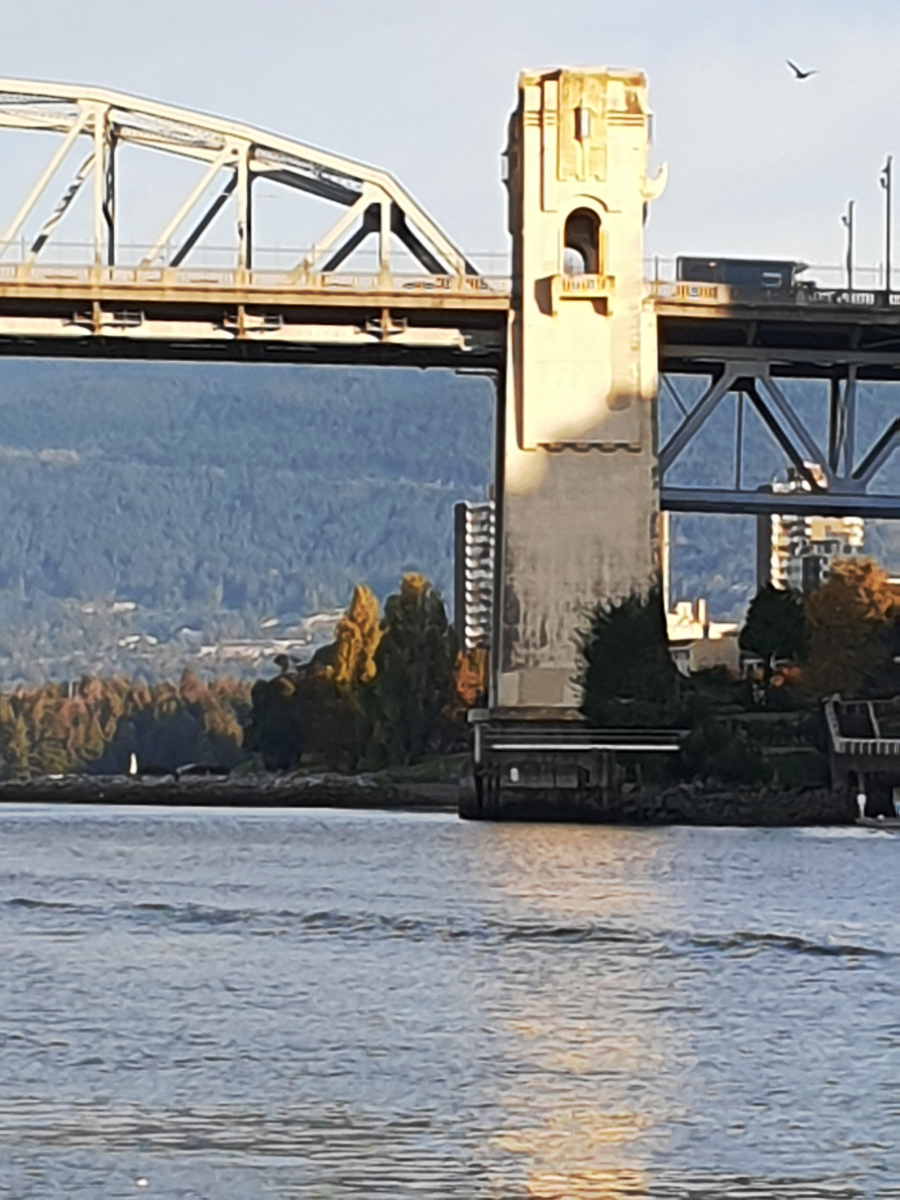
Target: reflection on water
x=569, y=1062
x=370, y=1005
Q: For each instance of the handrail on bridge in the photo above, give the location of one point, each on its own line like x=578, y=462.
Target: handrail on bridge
x=173, y=278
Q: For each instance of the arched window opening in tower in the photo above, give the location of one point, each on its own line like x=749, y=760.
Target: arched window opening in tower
x=581, y=254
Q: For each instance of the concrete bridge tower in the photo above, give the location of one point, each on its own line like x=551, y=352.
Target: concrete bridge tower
x=577, y=469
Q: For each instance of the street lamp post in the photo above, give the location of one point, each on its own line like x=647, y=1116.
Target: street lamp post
x=847, y=222
x=885, y=179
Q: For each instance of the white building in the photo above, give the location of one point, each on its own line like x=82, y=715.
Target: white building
x=473, y=573
x=698, y=644
x=797, y=551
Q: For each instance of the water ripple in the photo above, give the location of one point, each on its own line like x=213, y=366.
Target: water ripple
x=354, y=1006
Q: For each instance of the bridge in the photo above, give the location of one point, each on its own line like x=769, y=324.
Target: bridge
x=747, y=345
x=427, y=305
x=420, y=301
x=581, y=345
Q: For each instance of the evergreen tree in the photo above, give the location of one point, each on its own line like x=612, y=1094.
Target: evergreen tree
x=276, y=728
x=336, y=722
x=627, y=675
x=414, y=675
x=775, y=627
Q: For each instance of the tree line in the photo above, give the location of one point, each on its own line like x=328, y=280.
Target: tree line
x=391, y=689
x=843, y=637
x=394, y=687
x=95, y=725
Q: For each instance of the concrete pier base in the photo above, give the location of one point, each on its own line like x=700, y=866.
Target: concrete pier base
x=553, y=770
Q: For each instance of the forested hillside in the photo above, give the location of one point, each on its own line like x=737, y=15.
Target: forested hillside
x=176, y=504
x=213, y=497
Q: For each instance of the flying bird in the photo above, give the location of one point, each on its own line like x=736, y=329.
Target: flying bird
x=797, y=72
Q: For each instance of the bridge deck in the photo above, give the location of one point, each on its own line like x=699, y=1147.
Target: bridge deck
x=460, y=321
x=793, y=340
x=195, y=314
x=41, y=306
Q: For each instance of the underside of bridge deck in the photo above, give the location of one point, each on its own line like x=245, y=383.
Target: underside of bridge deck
x=794, y=341
x=227, y=323
x=752, y=352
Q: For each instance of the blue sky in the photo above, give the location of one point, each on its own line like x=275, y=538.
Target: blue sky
x=759, y=164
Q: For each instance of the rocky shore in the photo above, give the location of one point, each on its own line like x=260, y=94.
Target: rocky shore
x=767, y=806
x=301, y=790
x=687, y=804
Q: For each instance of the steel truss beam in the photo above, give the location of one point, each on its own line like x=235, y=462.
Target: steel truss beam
x=820, y=504
x=835, y=482
x=377, y=205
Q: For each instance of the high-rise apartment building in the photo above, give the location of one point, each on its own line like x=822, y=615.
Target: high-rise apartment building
x=797, y=551
x=473, y=573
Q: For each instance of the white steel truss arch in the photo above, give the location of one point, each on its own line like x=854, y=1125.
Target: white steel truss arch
x=375, y=203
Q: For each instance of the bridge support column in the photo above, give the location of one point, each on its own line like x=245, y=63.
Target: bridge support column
x=577, y=473
x=576, y=481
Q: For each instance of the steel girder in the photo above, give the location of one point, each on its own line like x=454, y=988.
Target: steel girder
x=834, y=480
x=230, y=152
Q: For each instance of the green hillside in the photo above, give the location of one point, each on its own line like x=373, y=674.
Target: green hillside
x=174, y=505
x=214, y=496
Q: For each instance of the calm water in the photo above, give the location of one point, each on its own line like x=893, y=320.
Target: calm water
x=318, y=1004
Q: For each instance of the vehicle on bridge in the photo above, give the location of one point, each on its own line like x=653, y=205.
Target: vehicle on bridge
x=751, y=278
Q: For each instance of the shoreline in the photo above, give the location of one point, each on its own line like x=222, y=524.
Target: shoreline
x=251, y=791
x=687, y=804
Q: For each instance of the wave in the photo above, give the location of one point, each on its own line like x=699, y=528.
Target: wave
x=327, y=922
x=748, y=940
x=332, y=921
x=53, y=905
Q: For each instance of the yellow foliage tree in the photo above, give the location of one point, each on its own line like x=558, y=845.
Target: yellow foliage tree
x=18, y=756
x=356, y=639
x=848, y=618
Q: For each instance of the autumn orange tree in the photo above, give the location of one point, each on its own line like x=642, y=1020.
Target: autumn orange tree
x=470, y=681
x=91, y=724
x=850, y=621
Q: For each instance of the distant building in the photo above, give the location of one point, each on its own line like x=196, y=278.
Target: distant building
x=695, y=642
x=797, y=551
x=473, y=573
x=698, y=644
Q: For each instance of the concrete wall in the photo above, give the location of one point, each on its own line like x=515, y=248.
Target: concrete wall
x=577, y=475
